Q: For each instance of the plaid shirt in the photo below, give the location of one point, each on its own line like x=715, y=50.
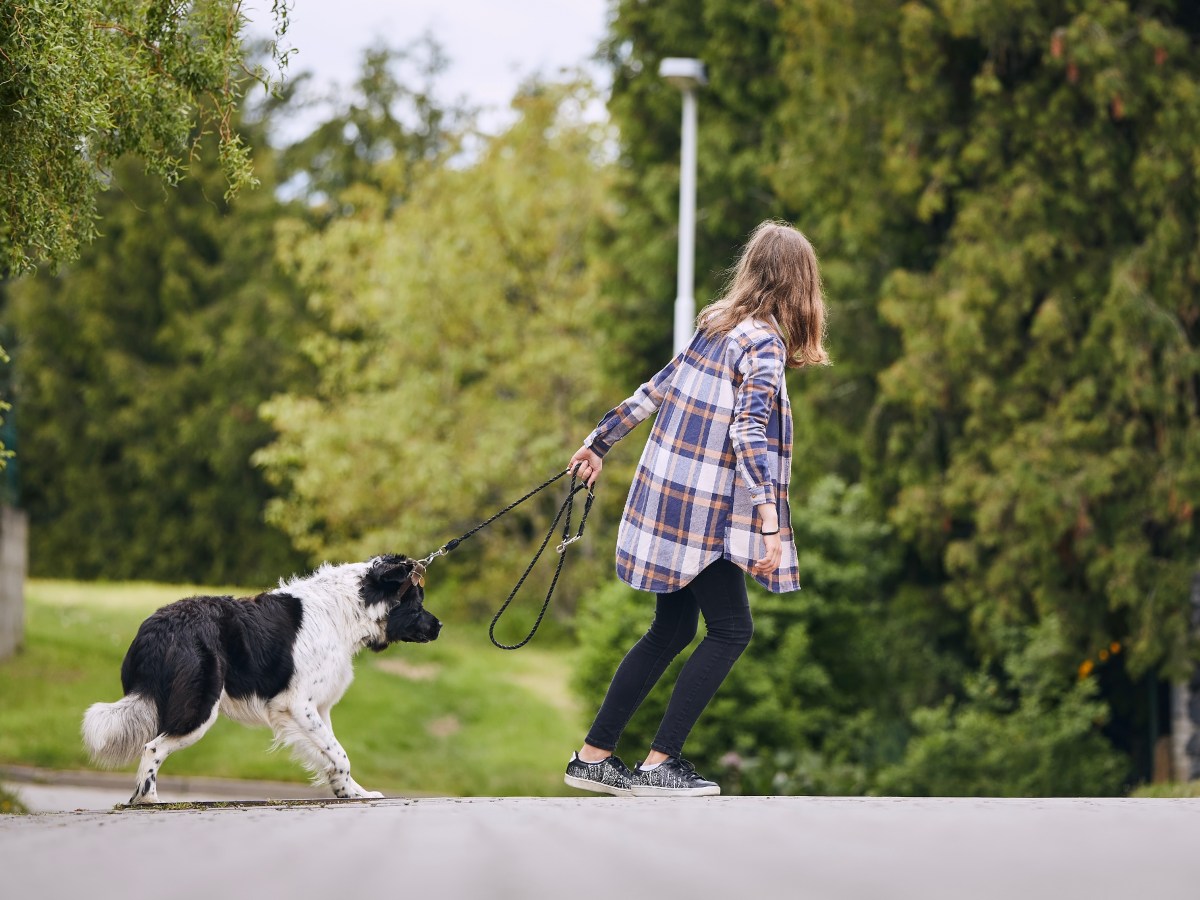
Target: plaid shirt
x=718, y=449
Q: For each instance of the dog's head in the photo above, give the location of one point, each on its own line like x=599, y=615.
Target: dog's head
x=396, y=599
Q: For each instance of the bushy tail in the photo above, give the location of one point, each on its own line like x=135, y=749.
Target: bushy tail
x=115, y=733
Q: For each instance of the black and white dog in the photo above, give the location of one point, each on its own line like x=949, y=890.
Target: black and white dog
x=281, y=659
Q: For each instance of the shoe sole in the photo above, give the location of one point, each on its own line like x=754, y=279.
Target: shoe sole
x=648, y=791
x=596, y=787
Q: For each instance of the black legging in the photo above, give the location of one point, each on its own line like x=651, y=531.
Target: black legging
x=719, y=592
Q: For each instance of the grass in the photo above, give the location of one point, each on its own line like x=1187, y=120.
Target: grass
x=1168, y=789
x=455, y=717
x=10, y=804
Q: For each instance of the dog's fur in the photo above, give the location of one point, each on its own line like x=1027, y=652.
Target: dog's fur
x=281, y=659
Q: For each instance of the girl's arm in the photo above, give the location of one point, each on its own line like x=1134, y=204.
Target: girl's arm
x=761, y=368
x=618, y=422
x=621, y=420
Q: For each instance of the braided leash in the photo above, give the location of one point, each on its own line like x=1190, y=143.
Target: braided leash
x=564, y=514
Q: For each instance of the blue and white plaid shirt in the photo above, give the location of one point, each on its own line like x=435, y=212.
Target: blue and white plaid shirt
x=721, y=445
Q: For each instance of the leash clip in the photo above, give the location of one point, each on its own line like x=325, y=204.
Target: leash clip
x=563, y=546
x=440, y=551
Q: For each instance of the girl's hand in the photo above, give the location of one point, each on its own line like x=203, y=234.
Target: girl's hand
x=587, y=465
x=768, y=520
x=773, y=556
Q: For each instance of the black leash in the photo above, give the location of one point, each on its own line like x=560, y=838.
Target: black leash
x=567, y=540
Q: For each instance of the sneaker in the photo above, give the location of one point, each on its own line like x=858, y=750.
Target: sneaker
x=609, y=776
x=674, y=777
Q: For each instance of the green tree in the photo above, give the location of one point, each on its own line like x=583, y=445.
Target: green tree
x=1021, y=196
x=84, y=82
x=138, y=375
x=457, y=362
x=737, y=41
x=393, y=125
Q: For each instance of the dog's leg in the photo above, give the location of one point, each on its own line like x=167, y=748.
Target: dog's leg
x=355, y=789
x=312, y=735
x=156, y=753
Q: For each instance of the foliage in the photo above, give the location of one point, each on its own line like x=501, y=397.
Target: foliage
x=1168, y=789
x=1026, y=731
x=456, y=363
x=737, y=40
x=449, y=718
x=1039, y=431
x=393, y=123
x=84, y=82
x=820, y=678
x=138, y=374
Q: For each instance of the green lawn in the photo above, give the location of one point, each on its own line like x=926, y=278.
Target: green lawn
x=455, y=717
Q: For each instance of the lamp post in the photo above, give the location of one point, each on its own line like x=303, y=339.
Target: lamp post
x=687, y=75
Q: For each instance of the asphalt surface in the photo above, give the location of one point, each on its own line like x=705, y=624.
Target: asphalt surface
x=521, y=847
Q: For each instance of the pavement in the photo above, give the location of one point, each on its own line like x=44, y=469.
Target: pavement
x=53, y=790
x=598, y=847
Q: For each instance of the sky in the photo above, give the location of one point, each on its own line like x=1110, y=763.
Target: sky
x=492, y=44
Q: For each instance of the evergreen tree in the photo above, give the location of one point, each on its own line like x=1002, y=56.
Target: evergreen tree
x=737, y=42
x=138, y=374
x=1019, y=194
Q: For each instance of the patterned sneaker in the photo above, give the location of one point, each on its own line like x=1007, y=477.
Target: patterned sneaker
x=674, y=777
x=609, y=776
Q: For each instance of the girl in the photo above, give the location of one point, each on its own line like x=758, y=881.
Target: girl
x=709, y=502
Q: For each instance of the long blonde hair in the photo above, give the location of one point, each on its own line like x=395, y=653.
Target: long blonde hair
x=775, y=276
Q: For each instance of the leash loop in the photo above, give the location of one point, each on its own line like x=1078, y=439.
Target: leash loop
x=563, y=514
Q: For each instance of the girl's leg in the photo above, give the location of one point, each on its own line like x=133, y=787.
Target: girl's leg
x=720, y=593
x=673, y=628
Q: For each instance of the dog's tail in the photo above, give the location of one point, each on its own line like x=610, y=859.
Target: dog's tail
x=115, y=733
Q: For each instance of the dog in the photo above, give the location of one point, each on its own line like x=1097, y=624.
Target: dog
x=281, y=659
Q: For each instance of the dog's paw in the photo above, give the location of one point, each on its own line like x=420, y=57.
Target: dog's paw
x=372, y=795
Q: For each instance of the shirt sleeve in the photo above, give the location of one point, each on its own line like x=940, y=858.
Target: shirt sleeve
x=621, y=420
x=761, y=368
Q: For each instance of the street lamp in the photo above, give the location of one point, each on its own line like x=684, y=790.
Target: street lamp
x=687, y=75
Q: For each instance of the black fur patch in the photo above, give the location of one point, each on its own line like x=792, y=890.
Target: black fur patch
x=187, y=652
x=389, y=580
x=386, y=579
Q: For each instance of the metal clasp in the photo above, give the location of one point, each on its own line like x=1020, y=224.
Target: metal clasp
x=563, y=546
x=440, y=551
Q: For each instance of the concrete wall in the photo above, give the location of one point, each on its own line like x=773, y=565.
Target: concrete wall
x=13, y=560
x=1185, y=711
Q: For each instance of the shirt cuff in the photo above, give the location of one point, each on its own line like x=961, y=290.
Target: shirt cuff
x=597, y=444
x=764, y=493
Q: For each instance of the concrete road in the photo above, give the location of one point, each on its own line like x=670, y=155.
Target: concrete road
x=615, y=848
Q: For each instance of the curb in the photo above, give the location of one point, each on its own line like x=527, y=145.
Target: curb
x=176, y=784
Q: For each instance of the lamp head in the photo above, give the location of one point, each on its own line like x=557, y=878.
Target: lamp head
x=685, y=74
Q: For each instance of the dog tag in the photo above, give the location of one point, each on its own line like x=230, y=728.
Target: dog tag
x=418, y=575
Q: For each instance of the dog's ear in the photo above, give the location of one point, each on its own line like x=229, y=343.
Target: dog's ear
x=391, y=568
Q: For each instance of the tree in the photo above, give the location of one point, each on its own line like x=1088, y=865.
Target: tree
x=392, y=124
x=1027, y=187
x=138, y=372
x=457, y=362
x=737, y=42
x=84, y=82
